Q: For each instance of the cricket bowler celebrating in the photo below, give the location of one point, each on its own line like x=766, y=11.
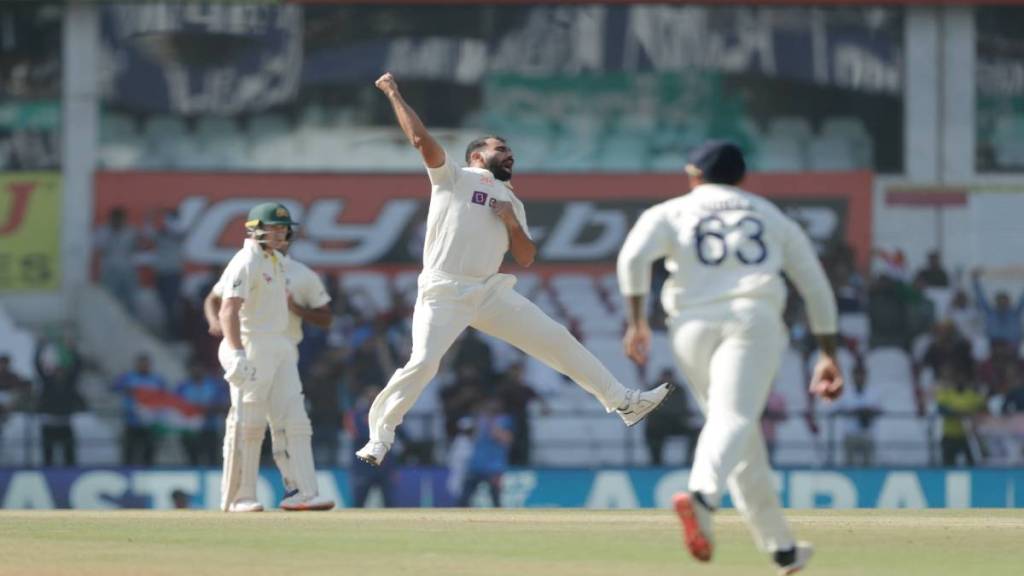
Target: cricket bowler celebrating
x=724, y=249
x=258, y=317
x=473, y=219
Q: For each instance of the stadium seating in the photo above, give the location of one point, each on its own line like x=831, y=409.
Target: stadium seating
x=271, y=142
x=796, y=445
x=548, y=138
x=889, y=371
x=903, y=441
x=407, y=285
x=1006, y=139
x=579, y=297
x=829, y=152
x=780, y=153
x=574, y=142
x=791, y=382
x=368, y=291
x=168, y=142
x=221, y=144
x=579, y=433
x=608, y=349
x=855, y=133
x=856, y=326
x=623, y=151
x=792, y=127
x=557, y=449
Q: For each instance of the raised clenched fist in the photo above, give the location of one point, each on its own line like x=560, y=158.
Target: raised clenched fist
x=386, y=83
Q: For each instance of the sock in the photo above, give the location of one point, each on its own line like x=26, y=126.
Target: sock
x=785, y=557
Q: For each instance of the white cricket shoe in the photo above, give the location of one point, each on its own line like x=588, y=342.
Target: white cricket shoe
x=301, y=503
x=803, y=552
x=641, y=403
x=245, y=505
x=373, y=453
x=697, y=529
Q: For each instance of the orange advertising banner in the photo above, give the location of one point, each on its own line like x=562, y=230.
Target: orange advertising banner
x=362, y=220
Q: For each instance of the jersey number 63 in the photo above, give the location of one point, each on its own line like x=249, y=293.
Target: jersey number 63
x=712, y=249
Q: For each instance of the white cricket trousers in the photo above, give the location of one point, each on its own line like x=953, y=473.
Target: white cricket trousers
x=729, y=353
x=276, y=394
x=446, y=305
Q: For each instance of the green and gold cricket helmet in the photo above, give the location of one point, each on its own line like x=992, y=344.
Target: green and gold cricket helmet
x=269, y=214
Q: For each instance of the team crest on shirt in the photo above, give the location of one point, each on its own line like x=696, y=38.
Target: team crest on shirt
x=482, y=199
x=268, y=278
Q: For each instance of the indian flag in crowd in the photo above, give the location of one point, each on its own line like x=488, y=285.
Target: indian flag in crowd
x=167, y=410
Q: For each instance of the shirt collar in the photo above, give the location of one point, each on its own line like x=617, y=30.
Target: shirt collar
x=709, y=187
x=258, y=250
x=486, y=172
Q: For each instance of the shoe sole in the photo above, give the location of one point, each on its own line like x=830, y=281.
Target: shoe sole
x=698, y=544
x=368, y=459
x=671, y=388
x=308, y=508
x=260, y=509
x=793, y=570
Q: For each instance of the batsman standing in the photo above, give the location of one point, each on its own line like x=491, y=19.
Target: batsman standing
x=725, y=249
x=259, y=317
x=473, y=220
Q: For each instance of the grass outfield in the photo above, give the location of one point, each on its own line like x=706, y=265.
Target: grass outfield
x=425, y=542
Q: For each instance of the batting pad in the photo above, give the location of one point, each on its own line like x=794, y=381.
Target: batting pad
x=279, y=443
x=300, y=455
x=243, y=439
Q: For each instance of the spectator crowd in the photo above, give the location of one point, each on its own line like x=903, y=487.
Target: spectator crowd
x=962, y=341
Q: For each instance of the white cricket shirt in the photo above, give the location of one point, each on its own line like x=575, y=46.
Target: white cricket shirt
x=722, y=243
x=306, y=288
x=257, y=277
x=464, y=237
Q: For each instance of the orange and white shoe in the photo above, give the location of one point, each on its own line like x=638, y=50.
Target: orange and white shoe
x=696, y=520
x=800, y=556
x=301, y=503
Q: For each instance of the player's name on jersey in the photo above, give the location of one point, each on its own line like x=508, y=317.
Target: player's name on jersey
x=729, y=205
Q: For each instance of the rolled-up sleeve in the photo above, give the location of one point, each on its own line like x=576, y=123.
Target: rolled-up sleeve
x=803, y=267
x=444, y=176
x=647, y=241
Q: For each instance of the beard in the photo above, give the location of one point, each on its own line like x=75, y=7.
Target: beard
x=499, y=171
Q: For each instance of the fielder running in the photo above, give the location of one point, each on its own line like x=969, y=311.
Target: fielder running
x=264, y=297
x=724, y=249
x=473, y=219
